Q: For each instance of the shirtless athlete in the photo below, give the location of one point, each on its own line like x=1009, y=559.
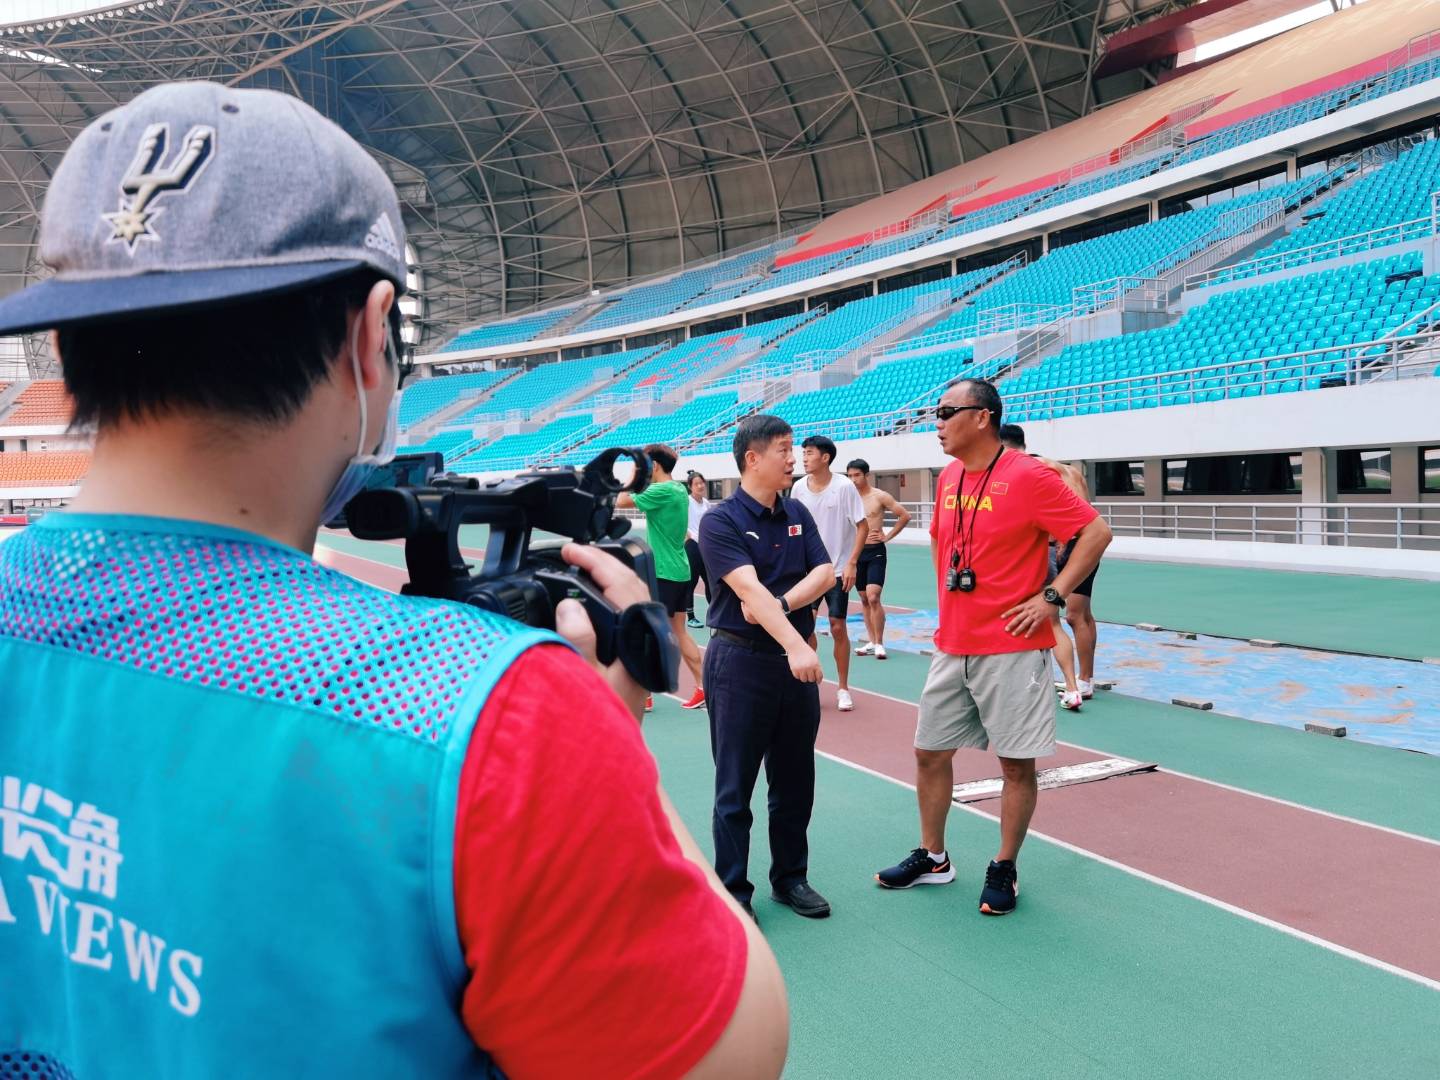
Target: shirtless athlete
x=870, y=576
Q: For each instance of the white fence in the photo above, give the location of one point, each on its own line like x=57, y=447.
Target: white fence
x=1400, y=526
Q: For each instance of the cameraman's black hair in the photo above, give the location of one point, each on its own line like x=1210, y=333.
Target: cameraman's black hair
x=256, y=360
x=983, y=392
x=663, y=456
x=859, y=463
x=761, y=429
x=824, y=445
x=1013, y=436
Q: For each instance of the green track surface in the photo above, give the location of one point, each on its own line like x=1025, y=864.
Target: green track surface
x=1377, y=784
x=1373, y=783
x=1382, y=616
x=1099, y=974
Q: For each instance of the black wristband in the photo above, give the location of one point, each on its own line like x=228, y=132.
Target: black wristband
x=784, y=604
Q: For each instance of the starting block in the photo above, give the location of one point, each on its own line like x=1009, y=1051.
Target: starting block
x=1320, y=728
x=1061, y=776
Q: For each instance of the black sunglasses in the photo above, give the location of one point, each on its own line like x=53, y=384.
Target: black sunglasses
x=945, y=412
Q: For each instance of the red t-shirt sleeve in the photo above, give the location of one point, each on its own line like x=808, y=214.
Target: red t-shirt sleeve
x=595, y=947
x=1058, y=510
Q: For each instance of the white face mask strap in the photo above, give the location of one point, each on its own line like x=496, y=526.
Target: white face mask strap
x=359, y=384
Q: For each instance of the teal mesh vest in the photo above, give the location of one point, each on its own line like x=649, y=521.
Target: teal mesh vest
x=228, y=785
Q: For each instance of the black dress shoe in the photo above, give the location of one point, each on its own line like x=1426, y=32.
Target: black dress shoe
x=803, y=900
x=745, y=907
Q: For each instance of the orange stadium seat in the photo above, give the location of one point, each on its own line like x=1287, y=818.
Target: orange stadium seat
x=42, y=402
x=62, y=468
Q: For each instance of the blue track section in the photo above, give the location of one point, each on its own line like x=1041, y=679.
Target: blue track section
x=1378, y=700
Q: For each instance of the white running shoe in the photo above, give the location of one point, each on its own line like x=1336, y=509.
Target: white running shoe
x=1087, y=690
x=847, y=703
x=868, y=649
x=880, y=653
x=1071, y=700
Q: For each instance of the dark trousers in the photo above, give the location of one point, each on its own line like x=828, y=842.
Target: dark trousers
x=697, y=573
x=760, y=713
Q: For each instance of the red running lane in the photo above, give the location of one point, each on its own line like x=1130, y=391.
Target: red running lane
x=1361, y=888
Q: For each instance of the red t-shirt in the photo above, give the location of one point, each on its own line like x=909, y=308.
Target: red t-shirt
x=1024, y=503
x=595, y=947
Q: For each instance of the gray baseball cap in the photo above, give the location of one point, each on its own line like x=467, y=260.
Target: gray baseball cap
x=194, y=194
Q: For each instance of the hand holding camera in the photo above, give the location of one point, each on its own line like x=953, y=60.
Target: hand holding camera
x=606, y=575
x=623, y=589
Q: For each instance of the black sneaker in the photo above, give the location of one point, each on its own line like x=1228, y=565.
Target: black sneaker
x=917, y=868
x=803, y=900
x=1002, y=886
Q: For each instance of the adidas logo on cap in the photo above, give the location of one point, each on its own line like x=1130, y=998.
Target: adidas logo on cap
x=382, y=238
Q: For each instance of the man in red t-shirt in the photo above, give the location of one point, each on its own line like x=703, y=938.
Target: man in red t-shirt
x=989, y=680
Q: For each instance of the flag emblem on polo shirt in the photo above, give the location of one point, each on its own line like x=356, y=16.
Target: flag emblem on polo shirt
x=999, y=488
x=795, y=529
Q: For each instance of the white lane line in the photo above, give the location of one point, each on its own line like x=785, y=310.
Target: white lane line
x=1262, y=920
x=1432, y=841
x=1331, y=946
x=1285, y=802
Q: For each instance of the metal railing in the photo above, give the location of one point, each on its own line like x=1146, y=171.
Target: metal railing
x=910, y=346
x=1130, y=292
x=1169, y=137
x=1018, y=261
x=812, y=360
x=1384, y=236
x=1017, y=316
x=1233, y=230
x=1419, y=46
x=1407, y=526
x=1404, y=526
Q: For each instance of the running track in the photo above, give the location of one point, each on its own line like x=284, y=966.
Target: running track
x=1361, y=890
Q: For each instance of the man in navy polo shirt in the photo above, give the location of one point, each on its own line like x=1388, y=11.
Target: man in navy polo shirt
x=768, y=564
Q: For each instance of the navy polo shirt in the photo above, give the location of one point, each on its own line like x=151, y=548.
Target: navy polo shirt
x=782, y=544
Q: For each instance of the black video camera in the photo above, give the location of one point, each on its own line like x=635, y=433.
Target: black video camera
x=413, y=500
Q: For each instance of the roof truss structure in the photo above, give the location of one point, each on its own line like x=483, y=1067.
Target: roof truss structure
x=544, y=148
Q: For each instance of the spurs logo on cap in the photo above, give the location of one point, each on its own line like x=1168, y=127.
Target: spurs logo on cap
x=146, y=180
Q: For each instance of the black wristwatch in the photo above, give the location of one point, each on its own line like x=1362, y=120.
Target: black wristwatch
x=784, y=604
x=1053, y=597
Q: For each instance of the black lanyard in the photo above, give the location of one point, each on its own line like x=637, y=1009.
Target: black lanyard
x=961, y=555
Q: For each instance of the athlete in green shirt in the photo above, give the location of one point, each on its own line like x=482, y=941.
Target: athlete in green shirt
x=666, y=506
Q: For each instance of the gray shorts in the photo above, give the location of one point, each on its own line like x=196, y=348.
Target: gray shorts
x=1004, y=703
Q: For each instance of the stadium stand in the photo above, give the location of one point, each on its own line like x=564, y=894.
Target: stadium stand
x=888, y=387
x=42, y=403
x=855, y=324
x=701, y=413
x=544, y=385
x=688, y=361
x=1199, y=129
x=506, y=333
x=23, y=469
x=1255, y=332
x=1391, y=204
x=429, y=396
x=443, y=442
x=728, y=276
x=519, y=451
